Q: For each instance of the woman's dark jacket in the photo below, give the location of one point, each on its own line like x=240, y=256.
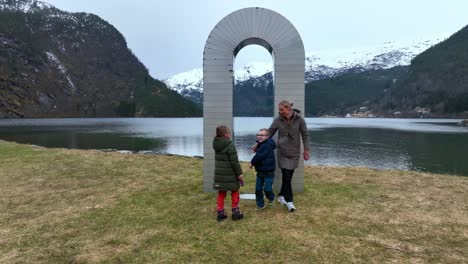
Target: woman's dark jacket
x=264, y=159
x=227, y=167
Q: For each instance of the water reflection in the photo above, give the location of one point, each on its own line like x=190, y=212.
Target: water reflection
x=438, y=152
x=407, y=144
x=185, y=145
x=374, y=148
x=79, y=140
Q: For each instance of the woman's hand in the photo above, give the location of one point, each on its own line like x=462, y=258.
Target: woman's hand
x=306, y=155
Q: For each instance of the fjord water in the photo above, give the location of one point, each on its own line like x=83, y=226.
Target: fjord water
x=430, y=145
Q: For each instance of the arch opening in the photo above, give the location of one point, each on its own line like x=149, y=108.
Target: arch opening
x=253, y=92
x=253, y=82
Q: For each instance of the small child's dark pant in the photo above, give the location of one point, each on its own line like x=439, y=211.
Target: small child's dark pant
x=264, y=183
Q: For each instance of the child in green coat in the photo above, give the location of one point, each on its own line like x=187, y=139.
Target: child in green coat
x=228, y=172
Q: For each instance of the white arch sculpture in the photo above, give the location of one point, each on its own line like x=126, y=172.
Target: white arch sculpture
x=244, y=27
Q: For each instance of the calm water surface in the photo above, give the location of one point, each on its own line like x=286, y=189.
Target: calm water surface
x=432, y=145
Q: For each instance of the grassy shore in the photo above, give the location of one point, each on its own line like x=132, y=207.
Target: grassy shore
x=75, y=206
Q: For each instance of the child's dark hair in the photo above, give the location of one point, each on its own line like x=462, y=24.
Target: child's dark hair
x=221, y=130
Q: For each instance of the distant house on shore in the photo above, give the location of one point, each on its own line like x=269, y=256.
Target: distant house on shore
x=463, y=123
x=422, y=111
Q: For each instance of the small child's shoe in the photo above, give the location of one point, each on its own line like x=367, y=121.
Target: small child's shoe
x=221, y=215
x=260, y=208
x=236, y=214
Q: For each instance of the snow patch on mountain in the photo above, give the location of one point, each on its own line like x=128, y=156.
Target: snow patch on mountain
x=187, y=82
x=51, y=56
x=31, y=6
x=252, y=70
x=24, y=6
x=190, y=80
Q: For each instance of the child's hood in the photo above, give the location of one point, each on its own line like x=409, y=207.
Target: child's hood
x=221, y=143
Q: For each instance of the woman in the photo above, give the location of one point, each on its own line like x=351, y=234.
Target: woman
x=291, y=127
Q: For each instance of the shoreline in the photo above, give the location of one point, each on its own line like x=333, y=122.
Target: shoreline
x=165, y=154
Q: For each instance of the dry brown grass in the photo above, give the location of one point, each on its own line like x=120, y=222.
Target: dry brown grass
x=59, y=206
x=419, y=217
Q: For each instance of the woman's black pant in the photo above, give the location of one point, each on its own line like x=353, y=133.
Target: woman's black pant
x=286, y=188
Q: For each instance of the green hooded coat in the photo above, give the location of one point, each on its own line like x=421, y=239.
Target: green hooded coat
x=227, y=167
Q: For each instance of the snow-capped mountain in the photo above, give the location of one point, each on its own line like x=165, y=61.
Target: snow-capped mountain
x=252, y=70
x=190, y=84
x=319, y=64
x=333, y=62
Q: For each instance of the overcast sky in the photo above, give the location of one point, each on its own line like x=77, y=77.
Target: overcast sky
x=168, y=36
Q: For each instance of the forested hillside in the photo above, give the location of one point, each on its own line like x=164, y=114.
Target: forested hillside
x=60, y=64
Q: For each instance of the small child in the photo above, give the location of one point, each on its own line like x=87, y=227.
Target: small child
x=265, y=164
x=227, y=174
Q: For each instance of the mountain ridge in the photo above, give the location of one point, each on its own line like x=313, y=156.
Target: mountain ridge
x=319, y=66
x=437, y=80
x=61, y=64
x=384, y=56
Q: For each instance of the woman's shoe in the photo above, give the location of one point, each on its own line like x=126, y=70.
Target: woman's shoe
x=291, y=206
x=281, y=200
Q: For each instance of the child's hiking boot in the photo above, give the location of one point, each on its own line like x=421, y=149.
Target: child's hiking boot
x=221, y=215
x=236, y=214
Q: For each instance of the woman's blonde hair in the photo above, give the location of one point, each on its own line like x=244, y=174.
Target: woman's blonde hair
x=222, y=130
x=286, y=104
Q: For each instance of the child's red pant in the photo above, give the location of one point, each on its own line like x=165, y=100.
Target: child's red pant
x=234, y=199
